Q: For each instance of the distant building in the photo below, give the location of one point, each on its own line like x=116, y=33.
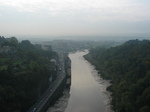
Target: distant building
x=5, y=49
x=8, y=50
x=59, y=45
x=52, y=64
x=47, y=47
x=38, y=46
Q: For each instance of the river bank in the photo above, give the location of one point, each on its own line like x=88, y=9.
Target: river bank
x=87, y=92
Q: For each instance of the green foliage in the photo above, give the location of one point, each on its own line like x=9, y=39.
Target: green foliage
x=25, y=45
x=145, y=109
x=22, y=74
x=127, y=66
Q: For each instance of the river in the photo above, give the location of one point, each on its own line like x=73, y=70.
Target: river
x=87, y=92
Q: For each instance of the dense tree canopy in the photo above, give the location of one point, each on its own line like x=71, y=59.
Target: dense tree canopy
x=128, y=68
x=22, y=74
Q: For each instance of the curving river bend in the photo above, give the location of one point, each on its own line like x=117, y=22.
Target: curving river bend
x=88, y=90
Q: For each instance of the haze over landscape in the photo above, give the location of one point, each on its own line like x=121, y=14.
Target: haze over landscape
x=74, y=55
x=75, y=18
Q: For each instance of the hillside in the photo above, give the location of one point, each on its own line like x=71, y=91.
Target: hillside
x=24, y=74
x=128, y=68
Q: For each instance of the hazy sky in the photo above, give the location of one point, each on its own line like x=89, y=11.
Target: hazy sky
x=74, y=17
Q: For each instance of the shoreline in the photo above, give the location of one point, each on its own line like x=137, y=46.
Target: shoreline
x=104, y=84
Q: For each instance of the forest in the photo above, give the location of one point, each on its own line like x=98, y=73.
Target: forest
x=24, y=73
x=127, y=66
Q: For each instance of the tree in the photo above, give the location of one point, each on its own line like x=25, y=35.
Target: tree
x=13, y=41
x=127, y=66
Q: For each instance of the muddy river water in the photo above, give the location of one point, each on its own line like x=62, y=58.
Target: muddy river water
x=88, y=90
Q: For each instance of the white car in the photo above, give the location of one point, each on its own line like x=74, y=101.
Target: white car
x=34, y=110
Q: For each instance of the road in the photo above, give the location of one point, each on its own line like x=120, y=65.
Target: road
x=49, y=92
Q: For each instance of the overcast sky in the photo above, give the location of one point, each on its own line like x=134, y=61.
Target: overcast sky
x=74, y=17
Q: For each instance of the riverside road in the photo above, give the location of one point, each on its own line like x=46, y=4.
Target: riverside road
x=37, y=107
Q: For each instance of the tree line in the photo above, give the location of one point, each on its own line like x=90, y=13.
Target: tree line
x=127, y=66
x=24, y=71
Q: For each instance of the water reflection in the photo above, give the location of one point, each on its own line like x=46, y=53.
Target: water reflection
x=85, y=93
